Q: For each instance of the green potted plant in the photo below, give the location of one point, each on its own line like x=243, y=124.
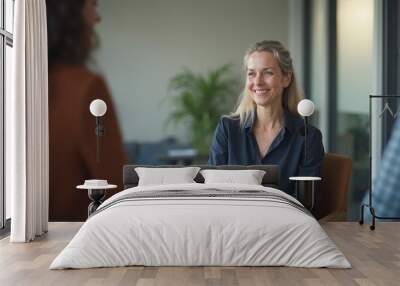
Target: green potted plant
x=200, y=100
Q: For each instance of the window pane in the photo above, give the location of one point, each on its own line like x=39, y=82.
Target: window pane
x=1, y=14
x=2, y=205
x=355, y=64
x=8, y=89
x=319, y=62
x=9, y=15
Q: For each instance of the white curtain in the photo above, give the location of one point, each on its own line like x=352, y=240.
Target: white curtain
x=27, y=124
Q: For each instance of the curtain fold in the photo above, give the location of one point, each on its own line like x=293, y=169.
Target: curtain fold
x=27, y=124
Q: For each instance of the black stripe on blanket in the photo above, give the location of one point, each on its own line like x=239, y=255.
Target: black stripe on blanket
x=204, y=193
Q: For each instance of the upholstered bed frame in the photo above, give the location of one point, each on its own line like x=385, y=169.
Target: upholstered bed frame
x=270, y=179
x=201, y=225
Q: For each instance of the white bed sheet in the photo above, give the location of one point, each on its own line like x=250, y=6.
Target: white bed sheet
x=200, y=231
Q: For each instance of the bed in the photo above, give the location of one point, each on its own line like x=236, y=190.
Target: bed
x=201, y=224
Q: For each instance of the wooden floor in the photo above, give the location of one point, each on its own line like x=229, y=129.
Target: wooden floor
x=374, y=255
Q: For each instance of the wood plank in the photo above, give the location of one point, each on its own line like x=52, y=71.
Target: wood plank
x=374, y=255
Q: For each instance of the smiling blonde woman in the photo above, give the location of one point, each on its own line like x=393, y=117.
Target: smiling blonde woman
x=265, y=128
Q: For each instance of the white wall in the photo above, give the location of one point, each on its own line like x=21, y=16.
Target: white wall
x=145, y=43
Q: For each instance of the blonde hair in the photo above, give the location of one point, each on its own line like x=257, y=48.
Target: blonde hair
x=292, y=94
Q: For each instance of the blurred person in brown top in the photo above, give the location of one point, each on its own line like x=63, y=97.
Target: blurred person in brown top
x=72, y=87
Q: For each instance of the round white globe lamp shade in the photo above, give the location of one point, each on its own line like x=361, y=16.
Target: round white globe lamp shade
x=98, y=107
x=305, y=107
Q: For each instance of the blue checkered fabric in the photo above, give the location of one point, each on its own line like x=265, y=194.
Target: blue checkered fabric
x=386, y=186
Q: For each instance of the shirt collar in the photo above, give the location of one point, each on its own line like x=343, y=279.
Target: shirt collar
x=289, y=121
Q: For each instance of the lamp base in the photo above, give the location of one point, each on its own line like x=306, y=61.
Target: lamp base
x=305, y=190
x=305, y=193
x=97, y=197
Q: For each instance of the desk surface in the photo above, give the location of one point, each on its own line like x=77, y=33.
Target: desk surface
x=374, y=255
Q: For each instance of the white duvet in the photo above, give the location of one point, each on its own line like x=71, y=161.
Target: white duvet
x=200, y=231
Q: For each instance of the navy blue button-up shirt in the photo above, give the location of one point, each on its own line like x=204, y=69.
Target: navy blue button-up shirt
x=233, y=145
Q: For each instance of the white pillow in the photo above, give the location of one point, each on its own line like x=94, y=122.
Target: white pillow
x=163, y=176
x=248, y=177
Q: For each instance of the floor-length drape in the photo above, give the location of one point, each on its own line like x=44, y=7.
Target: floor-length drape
x=27, y=124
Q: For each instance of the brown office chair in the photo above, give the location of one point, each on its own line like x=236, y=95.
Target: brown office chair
x=336, y=174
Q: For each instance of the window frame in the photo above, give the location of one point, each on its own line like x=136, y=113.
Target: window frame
x=6, y=39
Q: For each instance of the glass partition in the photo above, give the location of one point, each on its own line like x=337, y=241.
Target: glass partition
x=354, y=79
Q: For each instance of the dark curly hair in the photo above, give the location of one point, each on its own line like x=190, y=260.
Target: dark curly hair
x=70, y=40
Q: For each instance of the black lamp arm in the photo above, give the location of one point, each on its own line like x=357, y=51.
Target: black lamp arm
x=99, y=131
x=305, y=138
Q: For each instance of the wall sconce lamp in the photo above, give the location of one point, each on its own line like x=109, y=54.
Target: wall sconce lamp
x=305, y=109
x=305, y=185
x=98, y=108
